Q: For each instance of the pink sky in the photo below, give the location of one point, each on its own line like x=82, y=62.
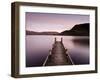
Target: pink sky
x=41, y=22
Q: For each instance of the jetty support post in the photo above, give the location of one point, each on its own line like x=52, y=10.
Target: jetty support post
x=55, y=39
x=61, y=39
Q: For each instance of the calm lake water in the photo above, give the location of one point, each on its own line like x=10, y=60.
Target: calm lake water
x=38, y=46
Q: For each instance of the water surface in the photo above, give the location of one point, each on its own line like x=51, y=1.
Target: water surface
x=38, y=46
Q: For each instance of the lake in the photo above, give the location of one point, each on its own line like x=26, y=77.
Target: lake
x=38, y=46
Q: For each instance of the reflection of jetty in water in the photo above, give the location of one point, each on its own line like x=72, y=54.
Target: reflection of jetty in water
x=58, y=55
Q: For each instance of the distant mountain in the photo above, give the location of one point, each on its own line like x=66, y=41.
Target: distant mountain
x=41, y=33
x=78, y=30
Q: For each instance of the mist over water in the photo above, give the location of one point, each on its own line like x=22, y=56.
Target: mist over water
x=38, y=46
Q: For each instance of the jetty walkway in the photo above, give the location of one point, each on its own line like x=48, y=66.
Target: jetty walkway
x=58, y=55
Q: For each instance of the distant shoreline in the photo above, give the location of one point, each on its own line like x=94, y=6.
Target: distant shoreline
x=77, y=30
x=58, y=35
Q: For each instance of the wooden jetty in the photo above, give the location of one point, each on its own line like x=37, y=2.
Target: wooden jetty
x=58, y=55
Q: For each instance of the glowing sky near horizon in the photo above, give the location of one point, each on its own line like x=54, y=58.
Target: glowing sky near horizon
x=41, y=22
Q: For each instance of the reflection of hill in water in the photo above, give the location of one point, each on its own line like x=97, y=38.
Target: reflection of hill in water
x=81, y=41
